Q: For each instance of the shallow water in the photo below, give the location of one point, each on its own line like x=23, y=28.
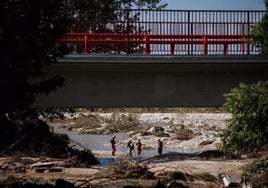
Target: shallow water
x=89, y=141
x=99, y=142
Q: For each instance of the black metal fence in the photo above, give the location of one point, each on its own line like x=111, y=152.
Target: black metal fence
x=177, y=22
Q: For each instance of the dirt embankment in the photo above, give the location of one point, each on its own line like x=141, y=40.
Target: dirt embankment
x=168, y=170
x=23, y=140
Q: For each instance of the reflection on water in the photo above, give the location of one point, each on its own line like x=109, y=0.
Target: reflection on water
x=106, y=162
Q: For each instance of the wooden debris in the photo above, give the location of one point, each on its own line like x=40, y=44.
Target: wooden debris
x=44, y=167
x=126, y=168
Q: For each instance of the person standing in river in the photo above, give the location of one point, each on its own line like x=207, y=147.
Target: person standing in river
x=112, y=141
x=138, y=145
x=160, y=146
x=130, y=146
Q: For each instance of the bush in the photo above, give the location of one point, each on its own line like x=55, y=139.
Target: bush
x=259, y=32
x=248, y=127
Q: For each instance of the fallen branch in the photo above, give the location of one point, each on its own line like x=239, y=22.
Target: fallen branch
x=14, y=144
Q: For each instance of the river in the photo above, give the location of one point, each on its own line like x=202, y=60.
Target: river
x=99, y=143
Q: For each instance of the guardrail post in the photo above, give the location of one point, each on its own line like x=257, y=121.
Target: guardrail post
x=248, y=48
x=147, y=44
x=205, y=46
x=117, y=49
x=248, y=27
x=225, y=48
x=85, y=43
x=172, y=48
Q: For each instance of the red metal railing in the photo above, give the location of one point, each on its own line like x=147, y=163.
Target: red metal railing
x=178, y=32
x=117, y=42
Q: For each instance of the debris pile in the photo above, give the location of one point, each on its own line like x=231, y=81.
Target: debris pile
x=122, y=123
x=184, y=134
x=32, y=137
x=85, y=122
x=44, y=167
x=14, y=182
x=126, y=168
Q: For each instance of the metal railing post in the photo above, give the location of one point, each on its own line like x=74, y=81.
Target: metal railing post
x=189, y=28
x=248, y=45
x=147, y=44
x=172, y=48
x=205, y=45
x=208, y=30
x=85, y=43
x=225, y=48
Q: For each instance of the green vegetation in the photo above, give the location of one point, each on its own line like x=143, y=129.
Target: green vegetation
x=248, y=127
x=28, y=31
x=259, y=33
x=28, y=34
x=108, y=16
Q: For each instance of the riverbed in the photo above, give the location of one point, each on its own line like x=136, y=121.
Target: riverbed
x=204, y=125
x=100, y=145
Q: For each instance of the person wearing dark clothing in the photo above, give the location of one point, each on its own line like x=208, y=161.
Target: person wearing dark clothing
x=138, y=144
x=112, y=141
x=160, y=147
x=130, y=146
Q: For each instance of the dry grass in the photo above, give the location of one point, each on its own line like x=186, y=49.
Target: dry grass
x=184, y=134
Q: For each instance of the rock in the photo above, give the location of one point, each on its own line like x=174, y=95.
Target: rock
x=156, y=129
x=82, y=184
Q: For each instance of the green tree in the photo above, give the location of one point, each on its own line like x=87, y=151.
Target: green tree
x=248, y=127
x=109, y=16
x=28, y=32
x=91, y=15
x=259, y=33
x=95, y=15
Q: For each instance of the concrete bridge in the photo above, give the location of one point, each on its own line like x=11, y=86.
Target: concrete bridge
x=191, y=59
x=150, y=80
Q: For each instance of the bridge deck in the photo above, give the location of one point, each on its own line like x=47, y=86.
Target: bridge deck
x=104, y=58
x=165, y=63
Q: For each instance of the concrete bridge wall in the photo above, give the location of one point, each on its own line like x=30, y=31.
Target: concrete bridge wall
x=150, y=81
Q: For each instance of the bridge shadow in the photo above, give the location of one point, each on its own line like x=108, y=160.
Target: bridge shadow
x=166, y=157
x=176, y=156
